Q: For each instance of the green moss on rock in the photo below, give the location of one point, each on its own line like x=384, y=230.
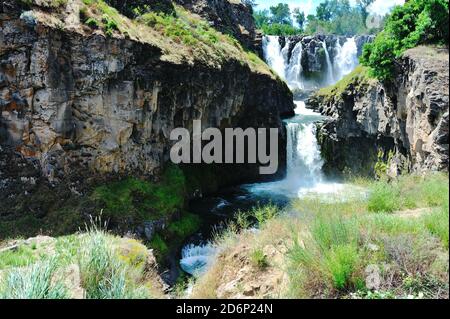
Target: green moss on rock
x=142, y=199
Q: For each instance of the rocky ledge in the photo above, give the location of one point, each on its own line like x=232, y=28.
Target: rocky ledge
x=405, y=122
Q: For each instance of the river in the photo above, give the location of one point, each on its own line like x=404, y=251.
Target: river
x=304, y=162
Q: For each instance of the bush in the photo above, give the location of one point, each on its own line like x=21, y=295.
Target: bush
x=416, y=22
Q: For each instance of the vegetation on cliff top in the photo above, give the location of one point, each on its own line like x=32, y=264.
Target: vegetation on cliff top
x=392, y=244
x=355, y=82
x=182, y=36
x=416, y=22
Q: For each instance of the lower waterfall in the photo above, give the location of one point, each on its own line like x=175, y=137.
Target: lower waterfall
x=304, y=176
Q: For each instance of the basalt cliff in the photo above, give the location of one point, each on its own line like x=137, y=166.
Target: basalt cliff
x=403, y=124
x=88, y=94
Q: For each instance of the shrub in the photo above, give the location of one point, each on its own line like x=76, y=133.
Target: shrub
x=416, y=22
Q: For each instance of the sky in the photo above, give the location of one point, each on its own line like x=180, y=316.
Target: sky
x=309, y=6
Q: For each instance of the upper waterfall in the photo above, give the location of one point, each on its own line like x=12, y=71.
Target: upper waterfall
x=346, y=57
x=309, y=63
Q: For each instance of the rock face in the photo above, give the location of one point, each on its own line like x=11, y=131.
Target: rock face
x=408, y=120
x=77, y=106
x=229, y=16
x=109, y=104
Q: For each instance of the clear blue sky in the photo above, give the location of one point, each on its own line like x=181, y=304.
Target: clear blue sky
x=309, y=6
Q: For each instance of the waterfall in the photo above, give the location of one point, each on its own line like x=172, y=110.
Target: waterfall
x=304, y=160
x=274, y=56
x=329, y=77
x=295, y=69
x=346, y=58
x=196, y=259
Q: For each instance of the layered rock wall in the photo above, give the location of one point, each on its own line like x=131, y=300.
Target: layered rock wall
x=407, y=120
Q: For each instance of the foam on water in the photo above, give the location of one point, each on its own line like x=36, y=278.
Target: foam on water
x=195, y=260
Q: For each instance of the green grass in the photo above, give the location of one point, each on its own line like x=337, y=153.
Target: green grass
x=409, y=192
x=334, y=243
x=23, y=256
x=142, y=199
x=104, y=275
x=33, y=282
x=187, y=225
x=331, y=253
x=358, y=80
x=159, y=245
x=110, y=268
x=437, y=224
x=180, y=34
x=174, y=235
x=384, y=197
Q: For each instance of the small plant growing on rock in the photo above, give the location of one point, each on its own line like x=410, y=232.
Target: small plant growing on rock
x=259, y=259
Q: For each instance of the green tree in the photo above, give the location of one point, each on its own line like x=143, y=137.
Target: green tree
x=262, y=18
x=363, y=6
x=323, y=11
x=281, y=14
x=416, y=22
x=300, y=18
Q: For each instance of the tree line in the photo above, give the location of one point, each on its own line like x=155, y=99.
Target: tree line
x=331, y=17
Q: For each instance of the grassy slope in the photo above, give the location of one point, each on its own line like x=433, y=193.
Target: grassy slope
x=183, y=38
x=332, y=250
x=357, y=81
x=109, y=268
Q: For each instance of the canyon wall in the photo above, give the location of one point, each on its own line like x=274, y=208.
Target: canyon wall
x=407, y=119
x=78, y=105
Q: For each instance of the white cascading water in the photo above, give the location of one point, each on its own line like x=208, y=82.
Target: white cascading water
x=196, y=259
x=274, y=56
x=346, y=58
x=330, y=76
x=294, y=70
x=304, y=160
